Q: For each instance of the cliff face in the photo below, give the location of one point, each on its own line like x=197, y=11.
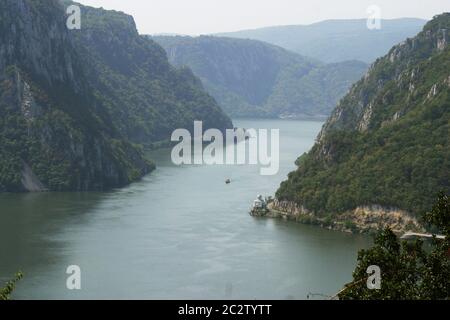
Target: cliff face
x=387, y=142
x=399, y=72
x=32, y=34
x=131, y=70
x=253, y=78
x=363, y=219
x=69, y=108
x=53, y=132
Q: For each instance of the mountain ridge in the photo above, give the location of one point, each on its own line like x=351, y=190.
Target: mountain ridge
x=336, y=40
x=387, y=142
x=256, y=79
x=62, y=94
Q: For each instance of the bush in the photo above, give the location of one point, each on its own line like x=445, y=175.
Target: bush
x=408, y=270
x=6, y=292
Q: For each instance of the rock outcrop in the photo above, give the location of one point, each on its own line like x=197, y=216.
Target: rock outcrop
x=383, y=154
x=78, y=106
x=366, y=219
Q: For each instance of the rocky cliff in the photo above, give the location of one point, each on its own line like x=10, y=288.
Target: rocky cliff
x=127, y=69
x=386, y=145
x=67, y=122
x=363, y=219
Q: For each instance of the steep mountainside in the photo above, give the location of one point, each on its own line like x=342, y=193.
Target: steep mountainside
x=336, y=40
x=316, y=93
x=130, y=70
x=252, y=78
x=59, y=125
x=386, y=145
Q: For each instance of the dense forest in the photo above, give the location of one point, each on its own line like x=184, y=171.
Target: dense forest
x=255, y=79
x=387, y=142
x=127, y=69
x=412, y=270
x=77, y=107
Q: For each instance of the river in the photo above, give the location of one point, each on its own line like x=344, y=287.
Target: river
x=180, y=233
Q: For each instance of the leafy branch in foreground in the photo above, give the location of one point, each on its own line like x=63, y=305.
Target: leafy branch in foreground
x=10, y=285
x=409, y=270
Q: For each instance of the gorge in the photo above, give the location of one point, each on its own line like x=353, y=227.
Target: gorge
x=129, y=162
x=76, y=117
x=179, y=233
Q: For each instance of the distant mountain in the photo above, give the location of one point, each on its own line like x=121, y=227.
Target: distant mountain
x=384, y=153
x=336, y=40
x=130, y=70
x=253, y=78
x=77, y=107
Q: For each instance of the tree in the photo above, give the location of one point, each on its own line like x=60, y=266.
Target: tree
x=409, y=270
x=5, y=292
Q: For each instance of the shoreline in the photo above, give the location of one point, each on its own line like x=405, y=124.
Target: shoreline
x=362, y=220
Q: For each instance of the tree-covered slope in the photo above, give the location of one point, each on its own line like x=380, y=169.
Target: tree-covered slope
x=252, y=78
x=130, y=70
x=387, y=142
x=316, y=93
x=61, y=123
x=336, y=40
x=53, y=132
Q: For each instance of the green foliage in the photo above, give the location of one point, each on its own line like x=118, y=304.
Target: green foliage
x=158, y=97
x=348, y=224
x=408, y=270
x=252, y=78
x=81, y=119
x=402, y=156
x=314, y=92
x=6, y=292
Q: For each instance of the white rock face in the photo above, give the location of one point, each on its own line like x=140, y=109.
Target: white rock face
x=28, y=106
x=29, y=180
x=364, y=218
x=365, y=121
x=442, y=43
x=433, y=91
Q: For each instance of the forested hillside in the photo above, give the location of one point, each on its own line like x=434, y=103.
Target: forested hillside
x=255, y=79
x=77, y=106
x=387, y=142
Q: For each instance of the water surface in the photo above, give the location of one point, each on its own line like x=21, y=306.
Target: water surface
x=180, y=233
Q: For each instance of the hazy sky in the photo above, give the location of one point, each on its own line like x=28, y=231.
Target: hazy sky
x=209, y=16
